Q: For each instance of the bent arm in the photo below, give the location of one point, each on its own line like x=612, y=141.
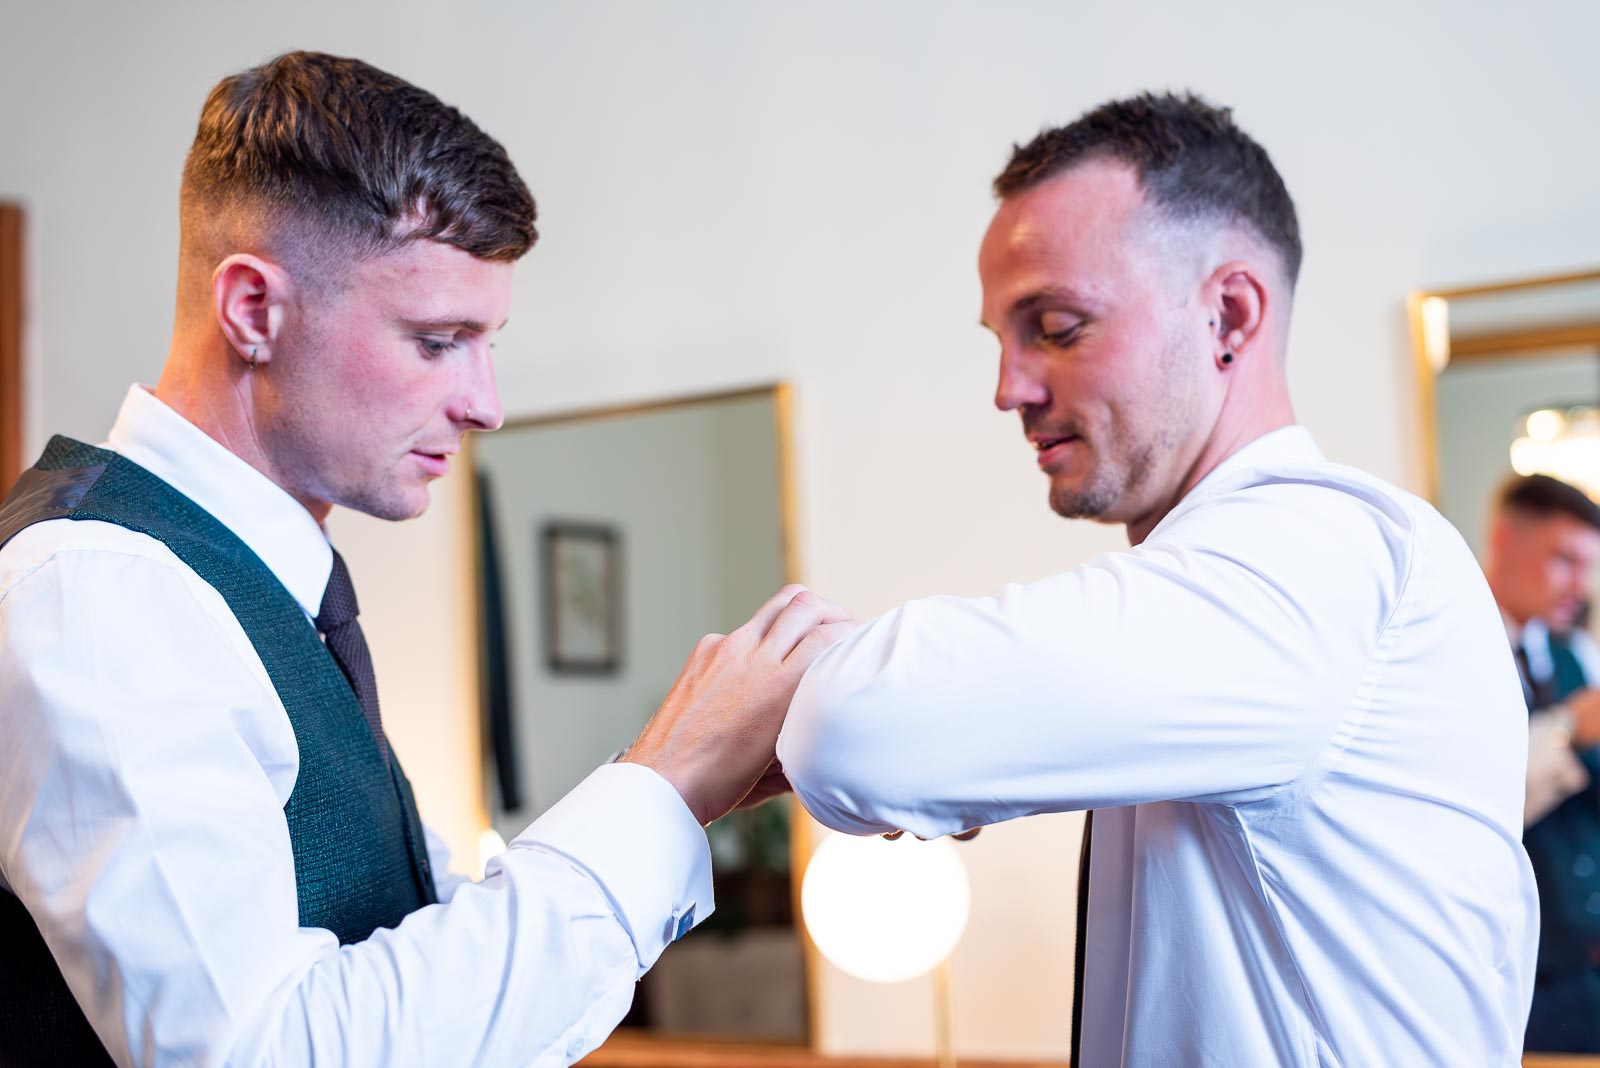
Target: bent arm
x=141, y=824
x=1204, y=665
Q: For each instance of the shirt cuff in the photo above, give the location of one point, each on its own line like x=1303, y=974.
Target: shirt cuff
x=630, y=830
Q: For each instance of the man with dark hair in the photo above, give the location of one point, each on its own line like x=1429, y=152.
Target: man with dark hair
x=1290, y=702
x=208, y=852
x=1544, y=539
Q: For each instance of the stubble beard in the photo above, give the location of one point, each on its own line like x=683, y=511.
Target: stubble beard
x=1122, y=473
x=1107, y=483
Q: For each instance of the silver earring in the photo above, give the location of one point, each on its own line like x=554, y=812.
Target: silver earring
x=252, y=357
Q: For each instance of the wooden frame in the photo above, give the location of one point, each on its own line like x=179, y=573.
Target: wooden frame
x=11, y=397
x=1433, y=354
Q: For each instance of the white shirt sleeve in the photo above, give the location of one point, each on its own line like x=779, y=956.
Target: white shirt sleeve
x=1191, y=667
x=142, y=784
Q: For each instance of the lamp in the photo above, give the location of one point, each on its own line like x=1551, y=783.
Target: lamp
x=888, y=911
x=1563, y=443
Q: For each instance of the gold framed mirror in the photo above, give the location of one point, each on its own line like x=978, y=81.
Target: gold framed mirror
x=609, y=541
x=1509, y=378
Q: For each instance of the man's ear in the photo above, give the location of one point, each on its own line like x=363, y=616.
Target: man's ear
x=1238, y=303
x=249, y=295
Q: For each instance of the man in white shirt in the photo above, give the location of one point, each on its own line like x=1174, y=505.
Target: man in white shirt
x=1290, y=702
x=1544, y=539
x=208, y=854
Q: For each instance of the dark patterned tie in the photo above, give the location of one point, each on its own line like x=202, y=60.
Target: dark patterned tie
x=336, y=622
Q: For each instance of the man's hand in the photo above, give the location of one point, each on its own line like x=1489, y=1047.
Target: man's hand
x=714, y=736
x=1585, y=708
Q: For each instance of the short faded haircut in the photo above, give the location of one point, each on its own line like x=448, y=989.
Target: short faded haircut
x=1194, y=165
x=334, y=153
x=1540, y=497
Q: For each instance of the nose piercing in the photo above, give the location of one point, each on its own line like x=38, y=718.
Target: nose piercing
x=469, y=413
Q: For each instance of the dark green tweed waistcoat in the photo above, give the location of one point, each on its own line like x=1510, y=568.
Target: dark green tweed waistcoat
x=360, y=862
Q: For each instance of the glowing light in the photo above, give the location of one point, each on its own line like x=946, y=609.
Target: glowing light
x=1545, y=424
x=885, y=911
x=1561, y=444
x=1435, y=313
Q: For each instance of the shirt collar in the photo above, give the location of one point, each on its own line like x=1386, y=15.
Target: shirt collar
x=275, y=526
x=1285, y=447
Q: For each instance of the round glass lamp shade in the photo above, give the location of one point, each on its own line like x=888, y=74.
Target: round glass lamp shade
x=885, y=911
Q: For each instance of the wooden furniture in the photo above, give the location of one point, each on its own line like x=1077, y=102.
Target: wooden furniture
x=10, y=345
x=622, y=1052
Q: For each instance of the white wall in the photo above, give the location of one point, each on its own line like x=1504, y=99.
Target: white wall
x=738, y=192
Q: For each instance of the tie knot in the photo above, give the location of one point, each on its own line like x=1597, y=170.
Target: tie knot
x=339, y=599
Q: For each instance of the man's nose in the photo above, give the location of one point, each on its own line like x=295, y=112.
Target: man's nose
x=482, y=409
x=1020, y=384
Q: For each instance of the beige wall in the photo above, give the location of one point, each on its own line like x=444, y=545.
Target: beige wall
x=739, y=192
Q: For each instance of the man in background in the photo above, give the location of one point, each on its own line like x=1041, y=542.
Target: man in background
x=1544, y=539
x=1290, y=703
x=208, y=852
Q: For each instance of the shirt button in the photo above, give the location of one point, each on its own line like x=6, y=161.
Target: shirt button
x=1584, y=866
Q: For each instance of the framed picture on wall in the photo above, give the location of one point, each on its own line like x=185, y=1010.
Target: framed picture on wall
x=582, y=577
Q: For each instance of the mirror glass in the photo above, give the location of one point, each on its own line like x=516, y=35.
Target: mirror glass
x=1512, y=374
x=610, y=543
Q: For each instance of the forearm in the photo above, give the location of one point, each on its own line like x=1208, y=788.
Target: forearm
x=533, y=965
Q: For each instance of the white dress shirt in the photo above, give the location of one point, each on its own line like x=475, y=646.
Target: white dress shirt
x=145, y=766
x=1294, y=708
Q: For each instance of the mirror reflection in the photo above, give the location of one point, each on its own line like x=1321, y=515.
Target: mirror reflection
x=1515, y=371
x=610, y=542
x=1512, y=378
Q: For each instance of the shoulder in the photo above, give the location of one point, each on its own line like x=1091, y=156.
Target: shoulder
x=104, y=587
x=69, y=549
x=1330, y=532
x=1272, y=508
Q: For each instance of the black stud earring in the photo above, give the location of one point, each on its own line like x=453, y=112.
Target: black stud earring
x=1227, y=357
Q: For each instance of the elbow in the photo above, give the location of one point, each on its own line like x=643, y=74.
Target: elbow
x=835, y=757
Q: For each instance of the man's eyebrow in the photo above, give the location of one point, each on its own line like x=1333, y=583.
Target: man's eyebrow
x=1055, y=294
x=476, y=326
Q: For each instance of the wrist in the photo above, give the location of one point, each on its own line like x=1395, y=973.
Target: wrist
x=1563, y=727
